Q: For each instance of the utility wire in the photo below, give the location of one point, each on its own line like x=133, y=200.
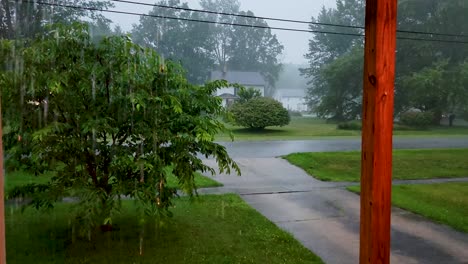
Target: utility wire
x=235, y=15
x=196, y=20
x=236, y=24
x=283, y=19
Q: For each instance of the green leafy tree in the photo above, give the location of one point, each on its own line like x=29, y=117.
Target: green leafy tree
x=432, y=89
x=25, y=19
x=335, y=62
x=111, y=119
x=260, y=112
x=337, y=89
x=246, y=94
x=183, y=41
x=243, y=48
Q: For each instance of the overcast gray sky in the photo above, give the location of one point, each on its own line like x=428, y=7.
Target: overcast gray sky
x=295, y=43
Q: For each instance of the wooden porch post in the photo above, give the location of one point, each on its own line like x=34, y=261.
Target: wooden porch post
x=376, y=160
x=2, y=196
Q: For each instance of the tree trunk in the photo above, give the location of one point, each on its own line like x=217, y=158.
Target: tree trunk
x=437, y=117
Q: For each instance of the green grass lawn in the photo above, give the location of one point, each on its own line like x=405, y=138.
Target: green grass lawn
x=407, y=164
x=19, y=178
x=299, y=128
x=310, y=128
x=211, y=229
x=445, y=203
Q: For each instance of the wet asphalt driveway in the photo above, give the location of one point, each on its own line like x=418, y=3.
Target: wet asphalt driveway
x=265, y=149
x=324, y=216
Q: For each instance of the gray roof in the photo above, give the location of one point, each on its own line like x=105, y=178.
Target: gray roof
x=291, y=92
x=228, y=96
x=242, y=78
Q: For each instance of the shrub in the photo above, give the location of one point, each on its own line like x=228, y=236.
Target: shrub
x=351, y=125
x=417, y=119
x=259, y=113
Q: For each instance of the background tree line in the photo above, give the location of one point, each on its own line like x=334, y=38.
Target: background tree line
x=431, y=76
x=202, y=47
x=199, y=47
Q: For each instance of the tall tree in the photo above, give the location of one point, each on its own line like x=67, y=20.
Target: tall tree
x=25, y=19
x=243, y=48
x=183, y=41
x=335, y=61
x=416, y=59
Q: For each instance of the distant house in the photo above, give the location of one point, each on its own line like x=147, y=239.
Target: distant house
x=248, y=79
x=292, y=99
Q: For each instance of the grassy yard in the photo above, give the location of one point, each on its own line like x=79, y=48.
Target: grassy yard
x=211, y=229
x=299, y=128
x=19, y=178
x=310, y=128
x=445, y=203
x=407, y=164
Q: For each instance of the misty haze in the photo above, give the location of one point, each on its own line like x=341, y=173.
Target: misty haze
x=234, y=131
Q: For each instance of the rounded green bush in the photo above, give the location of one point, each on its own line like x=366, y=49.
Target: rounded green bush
x=259, y=113
x=417, y=119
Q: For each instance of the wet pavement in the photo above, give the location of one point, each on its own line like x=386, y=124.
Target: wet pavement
x=266, y=149
x=325, y=217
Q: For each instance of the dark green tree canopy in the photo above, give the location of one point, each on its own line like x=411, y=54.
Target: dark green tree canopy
x=202, y=47
x=428, y=73
x=111, y=119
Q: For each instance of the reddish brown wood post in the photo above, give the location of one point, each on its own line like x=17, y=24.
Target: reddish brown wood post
x=2, y=196
x=376, y=160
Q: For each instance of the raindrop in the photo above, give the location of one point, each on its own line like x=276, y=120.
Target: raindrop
x=93, y=86
x=142, y=172
x=141, y=245
x=31, y=87
x=94, y=141
x=46, y=109
x=57, y=37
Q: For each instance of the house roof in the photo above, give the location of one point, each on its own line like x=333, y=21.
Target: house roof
x=228, y=96
x=242, y=78
x=291, y=92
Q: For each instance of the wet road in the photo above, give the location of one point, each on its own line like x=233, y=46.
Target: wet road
x=267, y=149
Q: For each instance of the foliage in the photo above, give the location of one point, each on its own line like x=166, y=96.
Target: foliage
x=246, y=94
x=178, y=40
x=431, y=90
x=259, y=113
x=243, y=48
x=337, y=91
x=110, y=119
x=26, y=19
x=201, y=47
x=350, y=125
x=429, y=74
x=417, y=119
x=336, y=63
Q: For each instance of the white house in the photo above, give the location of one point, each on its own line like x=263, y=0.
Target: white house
x=292, y=99
x=248, y=79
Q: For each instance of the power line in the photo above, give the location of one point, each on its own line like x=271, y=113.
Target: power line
x=236, y=24
x=283, y=19
x=197, y=20
x=237, y=15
